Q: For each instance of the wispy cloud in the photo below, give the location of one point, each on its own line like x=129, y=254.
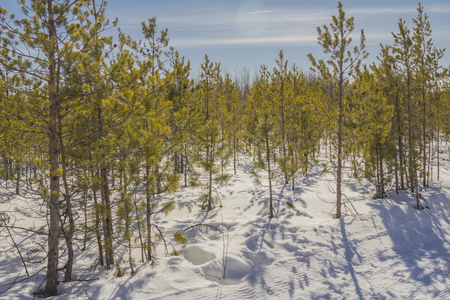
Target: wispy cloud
x=211, y=26
x=259, y=12
x=380, y=10
x=275, y=40
x=434, y=9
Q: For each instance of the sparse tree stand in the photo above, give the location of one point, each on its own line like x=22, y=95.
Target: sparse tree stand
x=335, y=41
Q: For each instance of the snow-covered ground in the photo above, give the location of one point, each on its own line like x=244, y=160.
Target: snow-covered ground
x=387, y=251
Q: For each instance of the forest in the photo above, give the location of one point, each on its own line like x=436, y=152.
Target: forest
x=97, y=127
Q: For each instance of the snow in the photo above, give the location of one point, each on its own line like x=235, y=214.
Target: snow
x=387, y=251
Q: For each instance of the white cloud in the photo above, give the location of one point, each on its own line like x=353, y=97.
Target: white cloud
x=272, y=40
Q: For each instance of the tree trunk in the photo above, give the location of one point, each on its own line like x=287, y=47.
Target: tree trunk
x=17, y=178
x=339, y=137
x=53, y=234
x=97, y=227
x=148, y=212
x=96, y=210
x=109, y=251
x=67, y=235
x=105, y=195
x=138, y=221
x=400, y=144
x=438, y=159
x=85, y=214
x=186, y=164
x=209, y=205
x=269, y=171
x=234, y=154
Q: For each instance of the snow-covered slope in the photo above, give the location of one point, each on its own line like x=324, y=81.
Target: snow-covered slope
x=387, y=251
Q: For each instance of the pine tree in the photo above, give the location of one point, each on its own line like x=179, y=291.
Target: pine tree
x=335, y=40
x=210, y=147
x=281, y=101
x=268, y=142
x=426, y=62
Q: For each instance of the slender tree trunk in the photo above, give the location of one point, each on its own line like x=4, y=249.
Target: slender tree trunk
x=6, y=164
x=377, y=174
x=185, y=165
x=128, y=209
x=339, y=137
x=424, y=153
x=97, y=227
x=53, y=234
x=209, y=205
x=69, y=235
x=105, y=195
x=438, y=150
x=234, y=154
x=283, y=130
x=17, y=170
x=381, y=172
x=148, y=212
x=396, y=162
x=430, y=161
x=97, y=211
x=400, y=144
x=28, y=175
x=109, y=251
x=269, y=171
x=136, y=211
x=85, y=214
x=411, y=157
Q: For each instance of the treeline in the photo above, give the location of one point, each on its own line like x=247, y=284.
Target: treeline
x=99, y=128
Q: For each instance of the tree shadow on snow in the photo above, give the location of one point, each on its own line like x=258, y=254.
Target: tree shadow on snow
x=418, y=236
x=350, y=252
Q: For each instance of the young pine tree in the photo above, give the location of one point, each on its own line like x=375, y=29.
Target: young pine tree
x=335, y=40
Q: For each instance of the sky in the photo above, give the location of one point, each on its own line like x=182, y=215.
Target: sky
x=244, y=34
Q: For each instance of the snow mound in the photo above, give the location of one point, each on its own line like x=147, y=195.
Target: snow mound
x=197, y=255
x=237, y=268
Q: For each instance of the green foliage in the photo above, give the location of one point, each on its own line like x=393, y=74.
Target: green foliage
x=4, y=217
x=223, y=178
x=119, y=271
x=58, y=172
x=180, y=237
x=22, y=212
x=169, y=206
x=289, y=205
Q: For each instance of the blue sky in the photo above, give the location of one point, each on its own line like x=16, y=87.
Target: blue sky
x=247, y=33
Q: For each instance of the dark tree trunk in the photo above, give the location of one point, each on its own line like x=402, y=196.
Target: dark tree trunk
x=53, y=234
